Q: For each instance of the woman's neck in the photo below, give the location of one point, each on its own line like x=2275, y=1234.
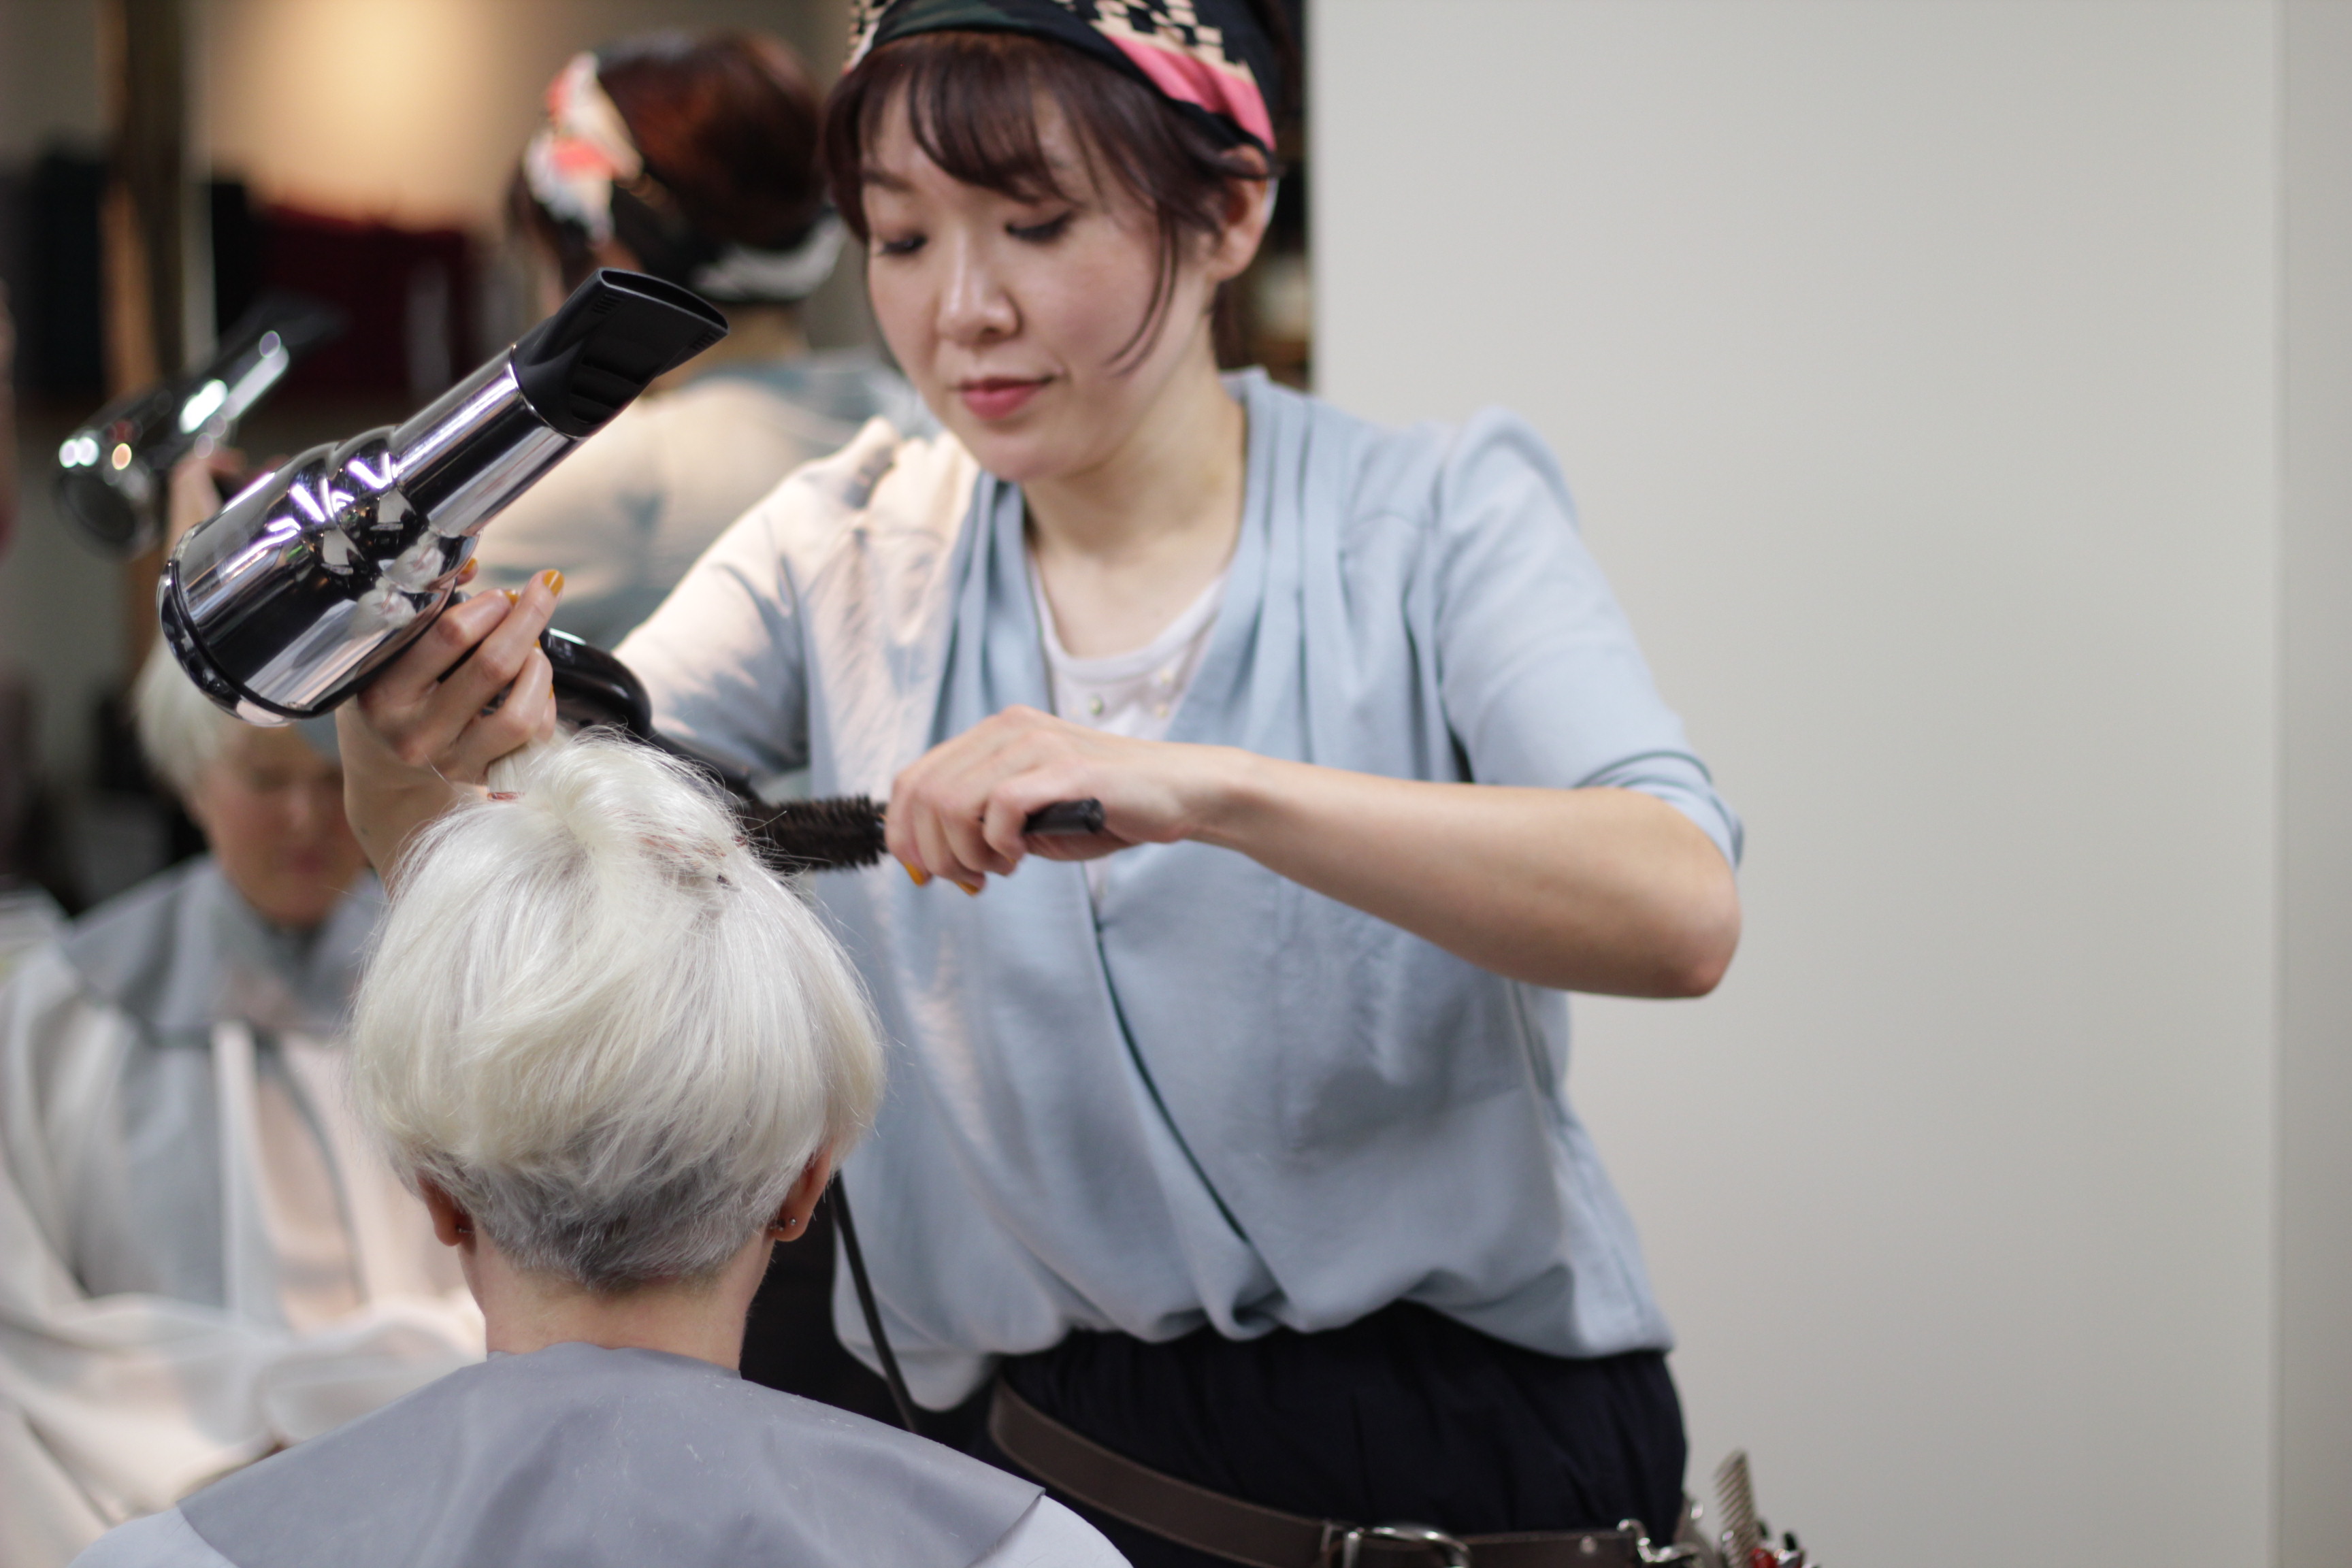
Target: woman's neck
x=524, y=1311
x=1123, y=547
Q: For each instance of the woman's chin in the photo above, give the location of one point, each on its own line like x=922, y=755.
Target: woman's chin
x=1016, y=456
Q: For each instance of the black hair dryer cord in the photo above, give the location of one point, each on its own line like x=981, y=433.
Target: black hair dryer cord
x=857, y=1276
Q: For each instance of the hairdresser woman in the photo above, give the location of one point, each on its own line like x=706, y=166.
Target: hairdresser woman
x=1235, y=1138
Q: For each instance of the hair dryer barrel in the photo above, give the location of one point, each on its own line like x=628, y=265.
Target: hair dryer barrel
x=314, y=577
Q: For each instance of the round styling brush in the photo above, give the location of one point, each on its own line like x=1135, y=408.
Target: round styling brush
x=844, y=833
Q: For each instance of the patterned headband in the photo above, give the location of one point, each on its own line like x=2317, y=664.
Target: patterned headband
x=584, y=155
x=1209, y=58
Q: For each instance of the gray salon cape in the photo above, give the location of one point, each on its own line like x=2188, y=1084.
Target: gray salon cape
x=169, y=1068
x=1218, y=1098
x=584, y=1457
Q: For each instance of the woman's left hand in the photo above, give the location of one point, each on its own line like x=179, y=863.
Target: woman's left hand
x=1586, y=889
x=957, y=811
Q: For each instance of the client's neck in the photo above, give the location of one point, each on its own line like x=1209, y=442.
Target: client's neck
x=526, y=1310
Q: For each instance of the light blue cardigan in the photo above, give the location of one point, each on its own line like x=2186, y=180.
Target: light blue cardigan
x=1224, y=1099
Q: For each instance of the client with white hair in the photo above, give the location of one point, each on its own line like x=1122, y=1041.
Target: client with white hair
x=201, y=1256
x=617, y=1057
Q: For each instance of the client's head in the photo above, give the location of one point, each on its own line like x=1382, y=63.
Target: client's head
x=599, y=1036
x=271, y=804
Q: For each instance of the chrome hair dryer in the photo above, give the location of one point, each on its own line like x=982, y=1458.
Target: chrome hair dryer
x=112, y=471
x=314, y=577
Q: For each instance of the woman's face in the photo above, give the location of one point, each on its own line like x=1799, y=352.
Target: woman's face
x=1010, y=316
x=272, y=810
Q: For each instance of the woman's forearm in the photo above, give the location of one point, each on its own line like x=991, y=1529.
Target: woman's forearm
x=1604, y=890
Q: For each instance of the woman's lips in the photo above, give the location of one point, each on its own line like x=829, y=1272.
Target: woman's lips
x=998, y=397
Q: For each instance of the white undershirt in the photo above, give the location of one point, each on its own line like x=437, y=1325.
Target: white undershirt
x=1135, y=693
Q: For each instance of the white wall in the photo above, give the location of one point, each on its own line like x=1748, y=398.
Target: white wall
x=2315, y=860
x=1916, y=367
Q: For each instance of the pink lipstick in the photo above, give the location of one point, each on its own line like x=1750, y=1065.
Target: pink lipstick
x=998, y=397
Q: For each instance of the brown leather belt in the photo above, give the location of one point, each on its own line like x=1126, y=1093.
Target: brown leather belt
x=1244, y=1532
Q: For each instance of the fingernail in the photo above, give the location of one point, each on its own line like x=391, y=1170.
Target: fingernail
x=970, y=888
x=553, y=579
x=918, y=878
x=512, y=595
x=465, y=572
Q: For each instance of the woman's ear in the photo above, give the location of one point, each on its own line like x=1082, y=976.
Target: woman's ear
x=793, y=1218
x=1248, y=210
x=452, y=1226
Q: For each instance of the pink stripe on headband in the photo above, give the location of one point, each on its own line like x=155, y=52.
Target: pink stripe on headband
x=1188, y=78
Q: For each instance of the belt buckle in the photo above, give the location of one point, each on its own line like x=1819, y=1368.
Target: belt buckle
x=1457, y=1556
x=1648, y=1554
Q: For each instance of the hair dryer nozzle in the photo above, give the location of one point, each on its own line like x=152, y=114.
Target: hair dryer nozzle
x=616, y=335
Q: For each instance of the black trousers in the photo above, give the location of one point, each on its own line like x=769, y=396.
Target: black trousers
x=1404, y=1416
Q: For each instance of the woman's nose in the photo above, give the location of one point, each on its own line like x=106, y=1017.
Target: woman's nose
x=973, y=305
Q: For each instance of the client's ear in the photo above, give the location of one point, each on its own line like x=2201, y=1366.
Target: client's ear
x=793, y=1218
x=451, y=1224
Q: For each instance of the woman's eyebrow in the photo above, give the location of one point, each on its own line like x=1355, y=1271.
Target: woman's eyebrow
x=884, y=180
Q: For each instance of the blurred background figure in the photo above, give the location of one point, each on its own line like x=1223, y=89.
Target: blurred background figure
x=694, y=160
x=201, y=1258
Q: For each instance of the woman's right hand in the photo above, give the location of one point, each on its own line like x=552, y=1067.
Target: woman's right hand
x=425, y=733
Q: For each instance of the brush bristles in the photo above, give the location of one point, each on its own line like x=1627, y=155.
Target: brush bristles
x=838, y=834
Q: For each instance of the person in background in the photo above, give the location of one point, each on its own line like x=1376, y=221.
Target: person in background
x=696, y=161
x=617, y=1057
x=200, y=1257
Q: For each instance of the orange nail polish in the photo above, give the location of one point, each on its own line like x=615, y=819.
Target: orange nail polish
x=553, y=579
x=465, y=572
x=919, y=878
x=970, y=888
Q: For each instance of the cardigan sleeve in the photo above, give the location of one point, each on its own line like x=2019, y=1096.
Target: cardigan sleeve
x=1540, y=678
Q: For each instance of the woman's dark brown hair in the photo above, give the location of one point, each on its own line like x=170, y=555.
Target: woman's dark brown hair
x=972, y=105
x=727, y=126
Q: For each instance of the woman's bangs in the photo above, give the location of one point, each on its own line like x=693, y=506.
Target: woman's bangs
x=961, y=94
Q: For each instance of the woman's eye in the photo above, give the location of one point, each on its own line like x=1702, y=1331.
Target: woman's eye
x=1040, y=233
x=906, y=245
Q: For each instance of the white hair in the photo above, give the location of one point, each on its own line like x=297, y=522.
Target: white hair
x=602, y=1026
x=180, y=730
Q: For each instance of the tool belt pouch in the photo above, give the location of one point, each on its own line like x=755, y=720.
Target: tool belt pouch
x=1080, y=1468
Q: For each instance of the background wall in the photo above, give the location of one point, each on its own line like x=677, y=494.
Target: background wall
x=1918, y=371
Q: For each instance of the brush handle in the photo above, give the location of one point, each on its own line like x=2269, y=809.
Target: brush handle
x=1066, y=818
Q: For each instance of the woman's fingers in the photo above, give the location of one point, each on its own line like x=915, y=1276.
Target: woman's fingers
x=413, y=679
x=502, y=654
x=961, y=810
x=527, y=715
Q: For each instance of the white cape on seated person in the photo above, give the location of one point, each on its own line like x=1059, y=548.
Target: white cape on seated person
x=617, y=1057
x=201, y=1256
